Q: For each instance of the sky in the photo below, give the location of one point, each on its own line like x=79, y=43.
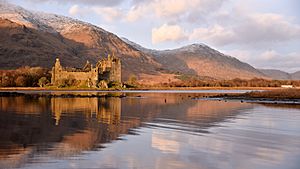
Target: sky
x=263, y=33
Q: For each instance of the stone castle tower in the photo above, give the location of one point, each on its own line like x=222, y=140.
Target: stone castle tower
x=107, y=70
x=110, y=69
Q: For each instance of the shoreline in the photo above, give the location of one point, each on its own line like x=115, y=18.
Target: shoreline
x=280, y=96
x=252, y=95
x=137, y=89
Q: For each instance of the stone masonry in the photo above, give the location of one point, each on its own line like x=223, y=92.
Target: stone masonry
x=107, y=70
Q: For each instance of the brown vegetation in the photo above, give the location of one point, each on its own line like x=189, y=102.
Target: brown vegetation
x=256, y=82
x=22, y=45
x=24, y=77
x=37, y=76
x=275, y=94
x=270, y=95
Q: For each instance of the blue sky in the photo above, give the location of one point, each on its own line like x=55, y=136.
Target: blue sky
x=264, y=33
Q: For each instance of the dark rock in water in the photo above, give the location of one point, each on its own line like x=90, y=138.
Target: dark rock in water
x=122, y=95
x=9, y=94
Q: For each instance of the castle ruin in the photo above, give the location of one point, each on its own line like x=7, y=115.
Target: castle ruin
x=106, y=71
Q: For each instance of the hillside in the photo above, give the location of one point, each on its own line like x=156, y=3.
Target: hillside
x=280, y=75
x=201, y=60
x=296, y=75
x=36, y=39
x=276, y=74
x=20, y=45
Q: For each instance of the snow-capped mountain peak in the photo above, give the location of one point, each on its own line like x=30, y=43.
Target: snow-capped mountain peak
x=40, y=20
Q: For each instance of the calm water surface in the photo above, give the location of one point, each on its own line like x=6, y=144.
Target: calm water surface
x=147, y=130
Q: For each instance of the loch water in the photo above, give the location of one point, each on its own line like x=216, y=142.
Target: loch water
x=147, y=130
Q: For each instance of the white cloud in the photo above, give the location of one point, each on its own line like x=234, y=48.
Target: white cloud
x=267, y=27
x=74, y=10
x=79, y=10
x=108, y=13
x=172, y=9
x=167, y=8
x=136, y=13
x=269, y=55
x=168, y=33
x=251, y=29
x=216, y=34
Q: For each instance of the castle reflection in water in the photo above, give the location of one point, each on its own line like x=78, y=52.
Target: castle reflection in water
x=59, y=127
x=104, y=111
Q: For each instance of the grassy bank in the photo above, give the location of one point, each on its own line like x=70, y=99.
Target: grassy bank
x=278, y=94
x=139, y=88
x=62, y=95
x=275, y=94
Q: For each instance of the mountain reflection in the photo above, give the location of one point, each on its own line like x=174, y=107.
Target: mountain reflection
x=60, y=127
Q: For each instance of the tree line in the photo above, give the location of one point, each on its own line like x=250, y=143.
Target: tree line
x=38, y=76
x=25, y=77
x=255, y=82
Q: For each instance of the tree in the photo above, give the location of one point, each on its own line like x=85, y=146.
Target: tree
x=103, y=84
x=43, y=81
x=67, y=83
x=7, y=81
x=132, y=79
x=21, y=81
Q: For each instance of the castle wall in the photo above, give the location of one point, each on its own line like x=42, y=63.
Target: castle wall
x=115, y=72
x=75, y=75
x=108, y=70
x=80, y=76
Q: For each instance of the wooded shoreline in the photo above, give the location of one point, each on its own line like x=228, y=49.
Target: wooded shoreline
x=268, y=94
x=138, y=88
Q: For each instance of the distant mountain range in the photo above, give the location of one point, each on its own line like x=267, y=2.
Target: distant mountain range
x=201, y=60
x=36, y=39
x=280, y=75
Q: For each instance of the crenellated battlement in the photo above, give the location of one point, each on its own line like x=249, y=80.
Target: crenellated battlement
x=107, y=70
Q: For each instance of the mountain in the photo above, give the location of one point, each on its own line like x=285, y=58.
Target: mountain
x=20, y=45
x=280, y=75
x=296, y=75
x=36, y=39
x=201, y=60
x=276, y=74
